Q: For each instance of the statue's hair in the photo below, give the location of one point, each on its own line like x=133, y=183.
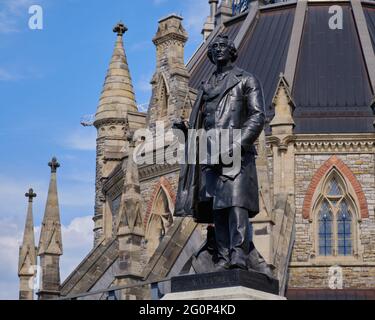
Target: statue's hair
x=232, y=48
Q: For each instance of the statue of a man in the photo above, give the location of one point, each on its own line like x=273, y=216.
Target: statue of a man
x=230, y=99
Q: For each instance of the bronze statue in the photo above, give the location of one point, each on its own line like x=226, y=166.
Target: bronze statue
x=230, y=99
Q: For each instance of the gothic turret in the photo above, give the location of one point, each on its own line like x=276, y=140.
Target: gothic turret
x=170, y=98
x=27, y=255
x=224, y=12
x=117, y=112
x=117, y=97
x=209, y=26
x=50, y=244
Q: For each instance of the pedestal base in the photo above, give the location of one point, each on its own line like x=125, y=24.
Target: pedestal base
x=225, y=279
x=224, y=285
x=233, y=293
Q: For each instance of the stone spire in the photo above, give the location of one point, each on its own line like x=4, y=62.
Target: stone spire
x=116, y=114
x=130, y=211
x=283, y=122
x=117, y=97
x=282, y=140
x=209, y=26
x=130, y=229
x=28, y=255
x=50, y=243
x=170, y=84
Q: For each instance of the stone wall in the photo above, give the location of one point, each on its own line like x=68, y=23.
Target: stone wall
x=308, y=275
x=355, y=277
x=98, y=215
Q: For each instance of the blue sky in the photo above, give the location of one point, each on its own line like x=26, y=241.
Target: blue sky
x=49, y=79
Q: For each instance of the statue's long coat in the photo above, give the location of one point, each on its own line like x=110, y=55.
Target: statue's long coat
x=241, y=106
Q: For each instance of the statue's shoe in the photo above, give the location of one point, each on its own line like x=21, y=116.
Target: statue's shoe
x=236, y=265
x=222, y=266
x=263, y=267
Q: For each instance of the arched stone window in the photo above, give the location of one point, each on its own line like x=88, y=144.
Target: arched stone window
x=163, y=98
x=335, y=210
x=160, y=220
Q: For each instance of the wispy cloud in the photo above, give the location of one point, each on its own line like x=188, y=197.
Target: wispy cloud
x=77, y=242
x=6, y=75
x=143, y=84
x=141, y=46
x=12, y=192
x=78, y=194
x=196, y=12
x=144, y=88
x=13, y=13
x=159, y=2
x=76, y=232
x=10, y=237
x=82, y=140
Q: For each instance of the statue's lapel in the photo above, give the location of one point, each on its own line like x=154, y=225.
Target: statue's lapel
x=233, y=78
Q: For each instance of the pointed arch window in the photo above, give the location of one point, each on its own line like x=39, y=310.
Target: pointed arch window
x=163, y=99
x=115, y=208
x=159, y=222
x=335, y=212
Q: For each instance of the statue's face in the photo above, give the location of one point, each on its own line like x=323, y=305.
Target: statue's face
x=221, y=52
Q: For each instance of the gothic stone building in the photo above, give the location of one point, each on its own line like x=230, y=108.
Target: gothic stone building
x=316, y=162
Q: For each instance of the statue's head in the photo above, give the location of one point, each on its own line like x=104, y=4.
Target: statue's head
x=222, y=50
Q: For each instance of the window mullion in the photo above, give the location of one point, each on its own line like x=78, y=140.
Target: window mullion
x=335, y=231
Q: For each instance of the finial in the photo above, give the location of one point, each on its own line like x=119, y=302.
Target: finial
x=120, y=28
x=30, y=195
x=54, y=165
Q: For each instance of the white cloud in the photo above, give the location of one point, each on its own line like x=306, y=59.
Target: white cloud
x=12, y=191
x=77, y=243
x=77, y=240
x=143, y=84
x=81, y=140
x=10, y=235
x=5, y=75
x=13, y=13
x=159, y=2
x=77, y=194
x=141, y=46
x=195, y=16
x=77, y=234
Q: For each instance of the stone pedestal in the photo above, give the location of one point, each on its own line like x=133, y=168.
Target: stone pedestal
x=233, y=293
x=224, y=285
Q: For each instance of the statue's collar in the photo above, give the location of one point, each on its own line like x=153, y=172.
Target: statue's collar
x=225, y=70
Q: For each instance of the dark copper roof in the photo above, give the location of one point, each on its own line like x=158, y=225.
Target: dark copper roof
x=332, y=89
x=264, y=51
x=370, y=18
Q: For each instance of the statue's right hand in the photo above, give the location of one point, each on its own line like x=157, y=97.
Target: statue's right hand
x=180, y=125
